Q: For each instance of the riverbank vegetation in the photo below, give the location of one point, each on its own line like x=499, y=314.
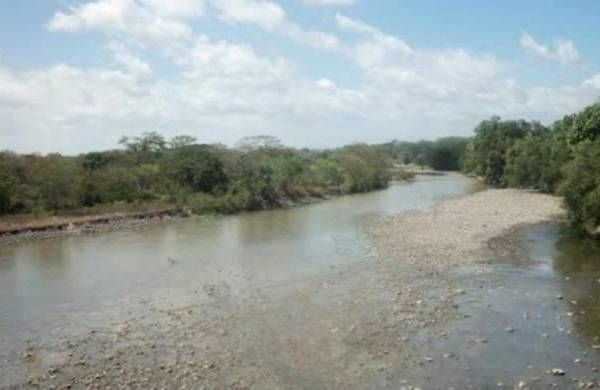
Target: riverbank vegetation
x=444, y=154
x=563, y=159
x=260, y=173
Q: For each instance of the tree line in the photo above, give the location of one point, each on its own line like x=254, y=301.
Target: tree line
x=562, y=159
x=444, y=154
x=259, y=173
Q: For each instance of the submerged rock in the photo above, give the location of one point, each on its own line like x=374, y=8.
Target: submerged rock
x=558, y=372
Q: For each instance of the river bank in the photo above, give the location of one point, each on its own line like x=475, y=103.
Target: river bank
x=17, y=229
x=457, y=231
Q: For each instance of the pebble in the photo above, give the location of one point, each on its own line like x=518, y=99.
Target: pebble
x=558, y=372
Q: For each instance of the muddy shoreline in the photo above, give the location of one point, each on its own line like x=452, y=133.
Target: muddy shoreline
x=57, y=227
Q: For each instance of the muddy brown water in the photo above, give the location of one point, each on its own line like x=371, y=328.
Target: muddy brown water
x=73, y=284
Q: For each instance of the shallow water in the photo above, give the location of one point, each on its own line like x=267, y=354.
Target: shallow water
x=533, y=314
x=44, y=283
x=550, y=298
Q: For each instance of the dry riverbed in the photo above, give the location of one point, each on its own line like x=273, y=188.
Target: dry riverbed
x=388, y=322
x=457, y=229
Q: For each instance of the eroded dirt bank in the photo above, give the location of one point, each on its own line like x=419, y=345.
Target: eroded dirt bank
x=407, y=317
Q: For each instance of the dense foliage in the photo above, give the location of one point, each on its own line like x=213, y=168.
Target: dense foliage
x=444, y=154
x=260, y=173
x=563, y=158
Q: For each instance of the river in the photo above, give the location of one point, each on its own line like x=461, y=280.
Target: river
x=51, y=289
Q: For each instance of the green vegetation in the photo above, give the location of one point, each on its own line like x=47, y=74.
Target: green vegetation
x=444, y=154
x=563, y=158
x=260, y=173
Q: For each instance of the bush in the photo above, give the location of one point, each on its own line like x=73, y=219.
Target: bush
x=536, y=162
x=8, y=186
x=581, y=187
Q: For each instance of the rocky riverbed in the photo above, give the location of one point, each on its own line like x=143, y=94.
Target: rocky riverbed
x=458, y=231
x=430, y=307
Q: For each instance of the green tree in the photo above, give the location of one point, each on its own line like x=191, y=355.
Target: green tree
x=198, y=168
x=486, y=155
x=447, y=153
x=581, y=187
x=8, y=186
x=57, y=180
x=586, y=125
x=95, y=160
x=181, y=141
x=148, y=142
x=536, y=162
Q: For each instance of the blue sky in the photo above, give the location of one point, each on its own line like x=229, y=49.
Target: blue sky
x=76, y=75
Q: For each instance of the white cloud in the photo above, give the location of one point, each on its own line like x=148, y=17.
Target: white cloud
x=222, y=90
x=228, y=60
x=356, y=26
x=325, y=84
x=124, y=57
x=177, y=8
x=271, y=17
x=564, y=51
x=593, y=82
x=148, y=20
x=266, y=14
x=328, y=2
x=168, y=22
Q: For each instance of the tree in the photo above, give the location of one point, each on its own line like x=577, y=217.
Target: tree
x=8, y=186
x=254, y=182
x=364, y=169
x=486, y=155
x=181, y=141
x=148, y=142
x=586, y=125
x=536, y=162
x=94, y=161
x=581, y=187
x=197, y=168
x=57, y=180
x=447, y=153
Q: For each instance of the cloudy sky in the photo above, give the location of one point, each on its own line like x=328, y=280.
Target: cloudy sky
x=76, y=75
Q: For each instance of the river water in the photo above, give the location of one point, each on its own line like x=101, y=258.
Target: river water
x=64, y=285
x=44, y=282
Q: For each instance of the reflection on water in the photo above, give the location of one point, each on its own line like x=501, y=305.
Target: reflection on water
x=551, y=302
x=573, y=264
x=40, y=281
x=579, y=262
